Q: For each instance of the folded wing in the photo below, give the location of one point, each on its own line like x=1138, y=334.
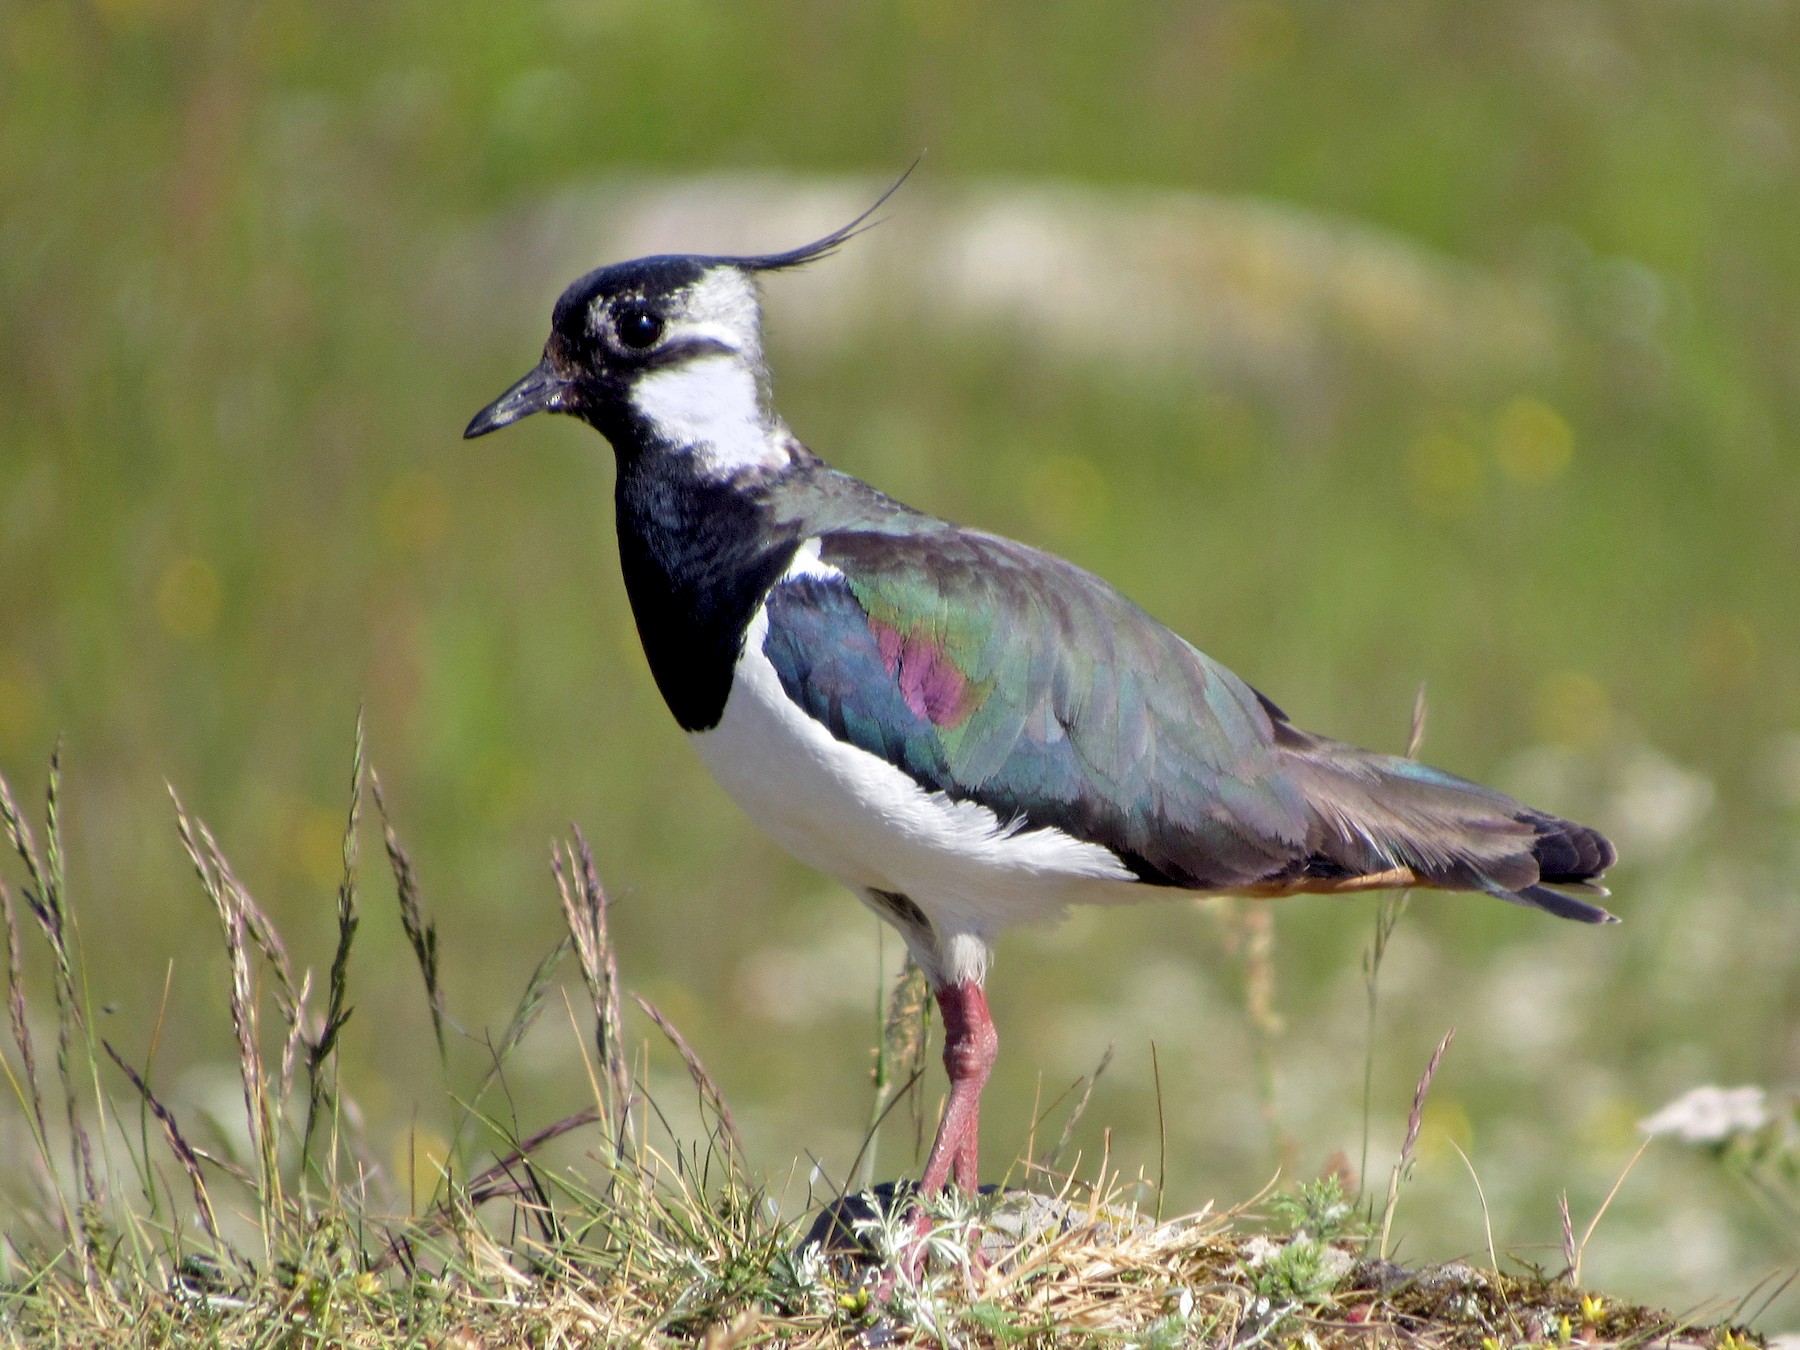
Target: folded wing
x=997, y=674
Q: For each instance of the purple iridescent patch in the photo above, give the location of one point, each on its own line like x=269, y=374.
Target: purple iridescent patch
x=929, y=681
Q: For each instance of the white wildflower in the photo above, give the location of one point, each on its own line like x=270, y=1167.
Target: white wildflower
x=1711, y=1114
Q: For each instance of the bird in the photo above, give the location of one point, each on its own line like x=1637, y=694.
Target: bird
x=967, y=732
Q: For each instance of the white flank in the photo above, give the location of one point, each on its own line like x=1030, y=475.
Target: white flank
x=856, y=817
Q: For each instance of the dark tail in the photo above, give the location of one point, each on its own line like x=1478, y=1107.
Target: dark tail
x=1571, y=856
x=1382, y=820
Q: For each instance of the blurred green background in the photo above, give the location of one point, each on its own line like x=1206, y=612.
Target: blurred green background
x=1363, y=345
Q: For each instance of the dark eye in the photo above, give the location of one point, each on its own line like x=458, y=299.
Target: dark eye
x=638, y=328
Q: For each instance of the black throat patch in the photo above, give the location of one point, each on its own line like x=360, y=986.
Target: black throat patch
x=698, y=557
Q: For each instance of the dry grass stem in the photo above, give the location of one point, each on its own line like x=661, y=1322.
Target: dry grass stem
x=421, y=932
x=525, y=1013
x=1599, y=1214
x=1250, y=938
x=44, y=896
x=899, y=1058
x=585, y=907
x=1086, y=1091
x=1387, y=919
x=337, y=989
x=178, y=1145
x=703, y=1081
x=221, y=888
x=1487, y=1219
x=1415, y=1121
x=492, y=1183
x=290, y=996
x=15, y=1006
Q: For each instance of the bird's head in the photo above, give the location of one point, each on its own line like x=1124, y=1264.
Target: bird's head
x=645, y=350
x=665, y=353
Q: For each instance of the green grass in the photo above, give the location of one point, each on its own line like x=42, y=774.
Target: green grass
x=240, y=331
x=154, y=1231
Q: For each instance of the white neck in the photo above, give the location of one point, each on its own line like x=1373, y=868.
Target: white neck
x=711, y=407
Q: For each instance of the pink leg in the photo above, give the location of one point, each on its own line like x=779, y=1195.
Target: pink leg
x=970, y=1044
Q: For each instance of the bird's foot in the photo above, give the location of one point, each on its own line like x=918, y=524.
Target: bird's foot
x=943, y=1229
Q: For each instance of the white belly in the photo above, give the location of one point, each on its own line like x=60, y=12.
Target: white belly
x=853, y=815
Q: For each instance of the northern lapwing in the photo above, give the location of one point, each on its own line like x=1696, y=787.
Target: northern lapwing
x=967, y=732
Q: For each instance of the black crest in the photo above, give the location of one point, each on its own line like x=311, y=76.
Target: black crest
x=820, y=248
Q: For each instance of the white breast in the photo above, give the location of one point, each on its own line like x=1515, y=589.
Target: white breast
x=853, y=815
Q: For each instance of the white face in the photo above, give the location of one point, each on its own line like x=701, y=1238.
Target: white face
x=720, y=307
x=712, y=404
x=723, y=306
